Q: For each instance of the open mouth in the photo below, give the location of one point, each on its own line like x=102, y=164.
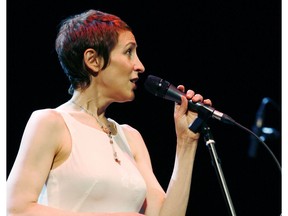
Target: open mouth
x=134, y=80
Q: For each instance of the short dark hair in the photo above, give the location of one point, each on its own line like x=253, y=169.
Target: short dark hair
x=90, y=29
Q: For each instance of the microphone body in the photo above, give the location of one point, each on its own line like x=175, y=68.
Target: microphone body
x=164, y=89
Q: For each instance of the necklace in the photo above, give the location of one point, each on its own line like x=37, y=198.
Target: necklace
x=105, y=129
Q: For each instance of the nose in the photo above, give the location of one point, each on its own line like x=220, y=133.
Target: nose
x=138, y=66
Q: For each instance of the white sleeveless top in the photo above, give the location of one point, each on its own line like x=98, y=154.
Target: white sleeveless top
x=90, y=180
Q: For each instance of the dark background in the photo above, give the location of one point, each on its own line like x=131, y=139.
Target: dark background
x=229, y=51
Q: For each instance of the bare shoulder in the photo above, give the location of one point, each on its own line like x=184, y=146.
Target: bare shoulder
x=136, y=143
x=46, y=132
x=130, y=131
x=43, y=125
x=48, y=117
x=46, y=113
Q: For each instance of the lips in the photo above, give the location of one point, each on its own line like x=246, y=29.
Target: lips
x=134, y=80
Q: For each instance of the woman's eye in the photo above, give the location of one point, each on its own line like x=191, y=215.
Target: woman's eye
x=129, y=52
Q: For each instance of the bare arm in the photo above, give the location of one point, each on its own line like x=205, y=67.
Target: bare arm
x=175, y=200
x=179, y=187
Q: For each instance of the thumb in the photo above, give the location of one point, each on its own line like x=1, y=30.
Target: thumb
x=181, y=109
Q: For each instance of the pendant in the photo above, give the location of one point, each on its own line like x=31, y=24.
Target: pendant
x=118, y=161
x=116, y=157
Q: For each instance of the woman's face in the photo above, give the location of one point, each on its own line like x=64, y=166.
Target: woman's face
x=120, y=76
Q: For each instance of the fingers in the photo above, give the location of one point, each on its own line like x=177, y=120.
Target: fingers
x=207, y=102
x=197, y=98
x=191, y=95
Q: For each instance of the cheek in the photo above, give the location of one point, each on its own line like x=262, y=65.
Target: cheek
x=122, y=64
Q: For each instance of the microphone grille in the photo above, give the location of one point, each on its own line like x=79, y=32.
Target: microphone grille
x=156, y=85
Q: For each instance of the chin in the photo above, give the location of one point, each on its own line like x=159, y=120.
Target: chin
x=128, y=98
x=131, y=98
x=131, y=95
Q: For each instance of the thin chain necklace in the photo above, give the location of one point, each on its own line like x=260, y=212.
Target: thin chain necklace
x=105, y=129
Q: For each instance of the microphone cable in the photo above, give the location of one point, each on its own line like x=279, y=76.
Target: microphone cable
x=262, y=142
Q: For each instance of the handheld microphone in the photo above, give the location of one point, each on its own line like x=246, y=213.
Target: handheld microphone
x=162, y=88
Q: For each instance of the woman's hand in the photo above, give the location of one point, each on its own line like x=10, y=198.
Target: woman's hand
x=183, y=117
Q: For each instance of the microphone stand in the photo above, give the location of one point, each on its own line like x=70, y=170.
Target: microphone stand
x=199, y=125
x=210, y=143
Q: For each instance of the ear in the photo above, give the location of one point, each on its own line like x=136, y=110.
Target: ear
x=92, y=61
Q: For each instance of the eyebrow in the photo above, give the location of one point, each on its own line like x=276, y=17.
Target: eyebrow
x=131, y=43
